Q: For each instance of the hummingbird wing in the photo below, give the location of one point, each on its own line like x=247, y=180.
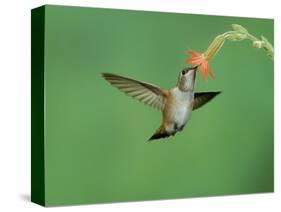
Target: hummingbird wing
x=202, y=98
x=144, y=92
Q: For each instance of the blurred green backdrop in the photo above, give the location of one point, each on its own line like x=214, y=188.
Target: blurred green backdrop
x=96, y=137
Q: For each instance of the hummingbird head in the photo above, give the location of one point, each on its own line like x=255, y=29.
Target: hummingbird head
x=186, y=79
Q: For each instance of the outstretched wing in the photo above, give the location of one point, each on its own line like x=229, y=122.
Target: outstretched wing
x=202, y=98
x=147, y=93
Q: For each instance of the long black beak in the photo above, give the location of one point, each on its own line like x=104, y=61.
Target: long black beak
x=196, y=67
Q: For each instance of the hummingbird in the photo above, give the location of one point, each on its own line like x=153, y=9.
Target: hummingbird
x=176, y=104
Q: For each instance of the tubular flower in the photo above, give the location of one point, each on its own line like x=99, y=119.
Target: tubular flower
x=198, y=59
x=202, y=59
x=238, y=33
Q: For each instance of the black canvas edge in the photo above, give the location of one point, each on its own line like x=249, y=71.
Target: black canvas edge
x=37, y=105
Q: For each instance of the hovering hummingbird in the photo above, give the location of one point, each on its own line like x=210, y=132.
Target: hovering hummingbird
x=176, y=103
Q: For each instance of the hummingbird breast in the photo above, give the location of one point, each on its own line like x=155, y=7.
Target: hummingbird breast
x=177, y=110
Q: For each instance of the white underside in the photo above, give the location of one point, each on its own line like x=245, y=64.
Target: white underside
x=181, y=112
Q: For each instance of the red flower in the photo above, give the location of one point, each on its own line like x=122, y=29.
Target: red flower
x=198, y=59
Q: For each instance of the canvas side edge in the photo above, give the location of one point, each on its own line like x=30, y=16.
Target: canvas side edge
x=37, y=105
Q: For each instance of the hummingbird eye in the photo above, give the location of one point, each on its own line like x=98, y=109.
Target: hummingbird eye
x=184, y=71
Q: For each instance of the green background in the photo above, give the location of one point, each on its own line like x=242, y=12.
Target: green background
x=96, y=147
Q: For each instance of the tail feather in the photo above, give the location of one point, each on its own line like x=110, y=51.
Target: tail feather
x=160, y=133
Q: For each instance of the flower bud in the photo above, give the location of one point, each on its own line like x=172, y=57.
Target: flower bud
x=258, y=44
x=235, y=36
x=239, y=28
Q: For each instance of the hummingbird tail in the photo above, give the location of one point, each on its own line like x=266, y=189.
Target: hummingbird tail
x=160, y=133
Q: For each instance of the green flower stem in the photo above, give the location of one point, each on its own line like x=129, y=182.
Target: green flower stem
x=239, y=33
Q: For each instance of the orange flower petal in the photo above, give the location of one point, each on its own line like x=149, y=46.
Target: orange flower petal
x=195, y=61
x=204, y=70
x=197, y=58
x=194, y=53
x=210, y=72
